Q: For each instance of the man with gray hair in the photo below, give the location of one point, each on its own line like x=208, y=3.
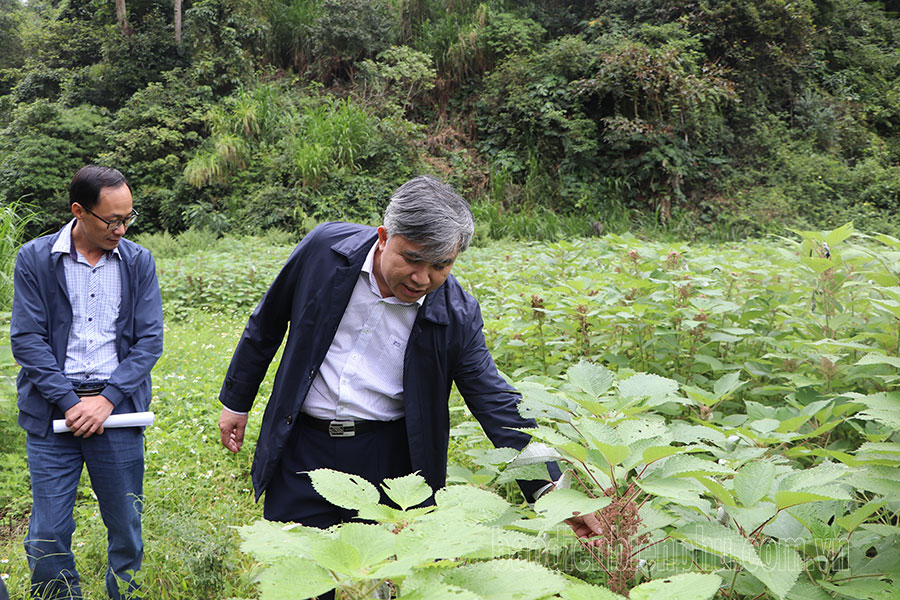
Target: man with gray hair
x=379, y=331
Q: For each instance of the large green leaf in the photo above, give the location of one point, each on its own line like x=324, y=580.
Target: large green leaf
x=781, y=566
x=647, y=385
x=883, y=407
x=441, y=591
x=475, y=504
x=267, y=541
x=374, y=543
x=559, y=505
x=507, y=579
x=727, y=385
x=692, y=466
x=408, y=490
x=858, y=589
x=857, y=517
x=787, y=499
x=292, y=578
x=753, y=482
x=689, y=586
x=592, y=378
x=344, y=490
x=719, y=540
x=804, y=590
x=586, y=591
x=685, y=492
x=874, y=358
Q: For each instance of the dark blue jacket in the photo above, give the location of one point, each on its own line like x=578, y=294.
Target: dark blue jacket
x=42, y=318
x=446, y=345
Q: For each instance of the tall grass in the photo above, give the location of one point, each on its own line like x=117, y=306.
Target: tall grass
x=14, y=218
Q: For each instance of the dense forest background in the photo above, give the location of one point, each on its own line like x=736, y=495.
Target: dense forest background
x=719, y=118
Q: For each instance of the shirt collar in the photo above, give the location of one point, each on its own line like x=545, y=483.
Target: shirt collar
x=373, y=284
x=64, y=245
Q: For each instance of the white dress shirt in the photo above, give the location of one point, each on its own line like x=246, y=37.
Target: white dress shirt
x=362, y=375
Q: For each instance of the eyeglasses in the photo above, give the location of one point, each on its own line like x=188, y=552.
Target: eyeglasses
x=111, y=225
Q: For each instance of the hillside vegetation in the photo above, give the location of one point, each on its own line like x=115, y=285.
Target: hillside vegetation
x=698, y=118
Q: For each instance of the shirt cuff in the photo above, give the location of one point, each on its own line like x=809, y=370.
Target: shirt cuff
x=543, y=490
x=234, y=412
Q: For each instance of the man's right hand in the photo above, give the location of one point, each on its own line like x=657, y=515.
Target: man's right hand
x=231, y=429
x=87, y=417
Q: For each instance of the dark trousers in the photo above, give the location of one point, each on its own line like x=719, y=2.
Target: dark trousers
x=374, y=456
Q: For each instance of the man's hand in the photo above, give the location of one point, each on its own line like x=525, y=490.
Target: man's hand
x=231, y=429
x=86, y=418
x=585, y=526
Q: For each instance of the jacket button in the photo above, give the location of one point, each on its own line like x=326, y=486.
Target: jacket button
x=312, y=373
x=289, y=419
x=229, y=382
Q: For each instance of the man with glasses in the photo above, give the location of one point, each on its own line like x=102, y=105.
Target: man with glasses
x=86, y=329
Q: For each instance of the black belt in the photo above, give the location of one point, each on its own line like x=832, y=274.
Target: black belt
x=92, y=390
x=337, y=428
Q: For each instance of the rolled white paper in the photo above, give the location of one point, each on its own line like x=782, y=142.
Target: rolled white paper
x=138, y=419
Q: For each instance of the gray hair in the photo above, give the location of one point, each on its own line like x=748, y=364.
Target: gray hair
x=427, y=211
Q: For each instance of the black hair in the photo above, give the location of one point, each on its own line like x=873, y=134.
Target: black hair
x=88, y=181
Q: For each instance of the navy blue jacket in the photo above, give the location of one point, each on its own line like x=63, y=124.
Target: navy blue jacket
x=42, y=318
x=446, y=345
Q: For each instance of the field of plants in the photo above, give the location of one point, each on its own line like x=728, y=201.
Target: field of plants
x=728, y=410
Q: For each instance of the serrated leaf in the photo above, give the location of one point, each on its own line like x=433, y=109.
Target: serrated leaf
x=374, y=543
x=859, y=589
x=612, y=454
x=807, y=591
x=719, y=540
x=586, y=591
x=718, y=490
x=781, y=566
x=873, y=358
x=857, y=517
x=407, y=491
x=883, y=407
x=838, y=235
x=560, y=505
x=753, y=482
x=681, y=491
x=727, y=385
x=507, y=579
x=344, y=490
x=335, y=555
x=787, y=499
x=441, y=591
x=818, y=264
x=692, y=466
x=593, y=379
x=291, y=578
x=535, y=453
x=655, y=453
x=267, y=541
x=751, y=518
x=477, y=505
x=647, y=385
x=688, y=586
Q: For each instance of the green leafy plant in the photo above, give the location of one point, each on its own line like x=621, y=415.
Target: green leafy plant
x=455, y=548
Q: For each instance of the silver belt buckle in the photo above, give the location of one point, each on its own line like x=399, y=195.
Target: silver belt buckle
x=341, y=429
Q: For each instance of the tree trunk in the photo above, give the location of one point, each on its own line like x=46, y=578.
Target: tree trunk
x=122, y=17
x=178, y=21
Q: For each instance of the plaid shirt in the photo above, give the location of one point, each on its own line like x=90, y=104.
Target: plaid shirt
x=95, y=292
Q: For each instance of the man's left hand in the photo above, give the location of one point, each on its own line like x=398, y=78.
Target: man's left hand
x=585, y=527
x=86, y=418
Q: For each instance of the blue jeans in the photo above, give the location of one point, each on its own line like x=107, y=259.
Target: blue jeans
x=115, y=463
